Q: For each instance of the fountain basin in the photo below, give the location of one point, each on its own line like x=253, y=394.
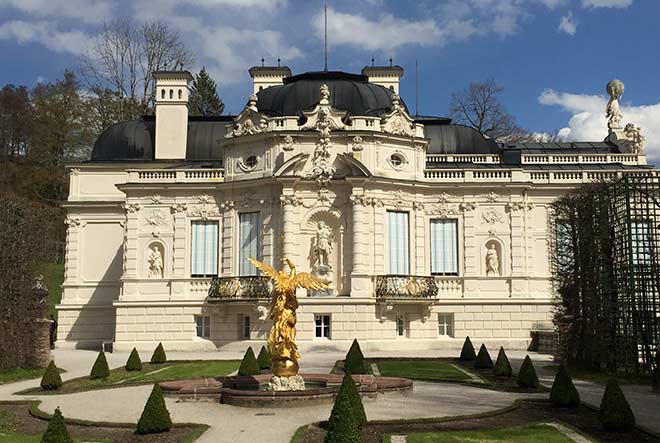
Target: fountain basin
x=250, y=391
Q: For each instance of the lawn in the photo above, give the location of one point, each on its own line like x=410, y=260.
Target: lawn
x=150, y=373
x=20, y=374
x=527, y=434
x=434, y=370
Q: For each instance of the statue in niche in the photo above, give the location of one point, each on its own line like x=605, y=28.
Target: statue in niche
x=155, y=260
x=492, y=261
x=322, y=246
x=615, y=89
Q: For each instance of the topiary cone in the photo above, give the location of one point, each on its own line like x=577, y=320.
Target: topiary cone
x=100, y=369
x=527, y=377
x=264, y=358
x=347, y=414
x=159, y=357
x=56, y=431
x=467, y=353
x=563, y=392
x=615, y=413
x=483, y=360
x=502, y=366
x=155, y=417
x=51, y=381
x=249, y=365
x=134, y=363
x=354, y=360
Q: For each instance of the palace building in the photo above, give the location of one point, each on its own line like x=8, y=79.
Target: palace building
x=426, y=231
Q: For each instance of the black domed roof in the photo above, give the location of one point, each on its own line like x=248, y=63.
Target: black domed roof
x=348, y=92
x=446, y=138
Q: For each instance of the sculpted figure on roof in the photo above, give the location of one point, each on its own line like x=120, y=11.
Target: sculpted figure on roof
x=615, y=89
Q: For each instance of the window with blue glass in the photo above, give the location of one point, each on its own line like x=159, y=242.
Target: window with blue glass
x=249, y=242
x=444, y=246
x=397, y=243
x=204, y=251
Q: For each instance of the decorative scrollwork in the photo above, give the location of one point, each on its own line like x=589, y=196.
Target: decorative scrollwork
x=240, y=287
x=405, y=286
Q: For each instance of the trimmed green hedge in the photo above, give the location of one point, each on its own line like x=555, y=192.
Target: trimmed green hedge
x=159, y=357
x=264, y=358
x=615, y=413
x=354, y=362
x=155, y=417
x=51, y=381
x=134, y=363
x=563, y=392
x=249, y=365
x=502, y=366
x=100, y=368
x=347, y=414
x=56, y=431
x=527, y=377
x=483, y=360
x=467, y=353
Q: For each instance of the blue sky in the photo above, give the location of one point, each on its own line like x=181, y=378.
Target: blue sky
x=553, y=57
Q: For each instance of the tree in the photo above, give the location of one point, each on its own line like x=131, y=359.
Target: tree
x=56, y=431
x=354, y=361
x=347, y=414
x=51, y=381
x=502, y=366
x=123, y=58
x=264, y=358
x=527, y=377
x=467, y=352
x=563, y=392
x=155, y=417
x=100, y=368
x=479, y=106
x=483, y=360
x=159, y=356
x=615, y=413
x=249, y=365
x=134, y=363
x=15, y=121
x=204, y=98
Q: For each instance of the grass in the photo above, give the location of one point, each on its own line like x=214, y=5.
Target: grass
x=602, y=377
x=53, y=278
x=19, y=374
x=165, y=372
x=432, y=370
x=526, y=434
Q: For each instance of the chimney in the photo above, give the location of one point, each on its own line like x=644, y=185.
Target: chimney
x=171, y=114
x=267, y=76
x=387, y=76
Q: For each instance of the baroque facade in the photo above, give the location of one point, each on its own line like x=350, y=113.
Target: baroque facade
x=425, y=231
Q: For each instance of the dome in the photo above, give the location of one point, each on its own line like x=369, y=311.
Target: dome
x=348, y=92
x=456, y=139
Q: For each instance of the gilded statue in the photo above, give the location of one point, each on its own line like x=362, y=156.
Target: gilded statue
x=282, y=336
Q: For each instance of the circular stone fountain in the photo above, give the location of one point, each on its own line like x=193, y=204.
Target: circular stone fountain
x=253, y=391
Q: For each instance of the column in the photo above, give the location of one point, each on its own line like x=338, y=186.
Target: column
x=361, y=235
x=289, y=229
x=418, y=241
x=519, y=278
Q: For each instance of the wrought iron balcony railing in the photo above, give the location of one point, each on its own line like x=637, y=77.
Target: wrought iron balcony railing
x=251, y=287
x=406, y=286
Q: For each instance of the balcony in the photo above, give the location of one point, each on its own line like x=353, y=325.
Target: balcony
x=240, y=288
x=406, y=287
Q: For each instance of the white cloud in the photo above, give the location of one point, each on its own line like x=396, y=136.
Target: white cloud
x=44, y=33
x=606, y=3
x=568, y=24
x=90, y=11
x=588, y=121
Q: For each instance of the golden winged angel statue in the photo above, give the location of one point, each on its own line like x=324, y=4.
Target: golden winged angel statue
x=282, y=335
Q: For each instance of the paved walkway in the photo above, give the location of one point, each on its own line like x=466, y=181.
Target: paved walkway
x=234, y=424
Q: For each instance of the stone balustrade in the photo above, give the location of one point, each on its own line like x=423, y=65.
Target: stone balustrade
x=249, y=287
x=517, y=176
x=405, y=286
x=213, y=175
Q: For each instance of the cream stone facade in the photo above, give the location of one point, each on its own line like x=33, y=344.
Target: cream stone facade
x=426, y=231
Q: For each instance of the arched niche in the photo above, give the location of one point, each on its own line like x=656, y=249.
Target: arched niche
x=492, y=258
x=154, y=260
x=323, y=218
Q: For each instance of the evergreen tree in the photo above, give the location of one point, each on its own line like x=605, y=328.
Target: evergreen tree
x=563, y=392
x=615, y=413
x=527, y=377
x=264, y=358
x=51, y=381
x=467, y=353
x=502, y=365
x=249, y=364
x=204, y=98
x=155, y=417
x=56, y=431
x=354, y=361
x=100, y=368
x=347, y=414
x=483, y=360
x=159, y=356
x=134, y=363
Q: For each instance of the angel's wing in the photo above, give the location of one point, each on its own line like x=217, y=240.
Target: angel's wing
x=268, y=270
x=308, y=281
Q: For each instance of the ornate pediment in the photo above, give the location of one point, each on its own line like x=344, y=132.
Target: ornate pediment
x=250, y=121
x=324, y=118
x=397, y=122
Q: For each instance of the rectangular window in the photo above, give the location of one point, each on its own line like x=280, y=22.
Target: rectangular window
x=401, y=326
x=640, y=242
x=322, y=326
x=446, y=325
x=204, y=252
x=203, y=326
x=246, y=326
x=397, y=241
x=249, y=242
x=444, y=246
